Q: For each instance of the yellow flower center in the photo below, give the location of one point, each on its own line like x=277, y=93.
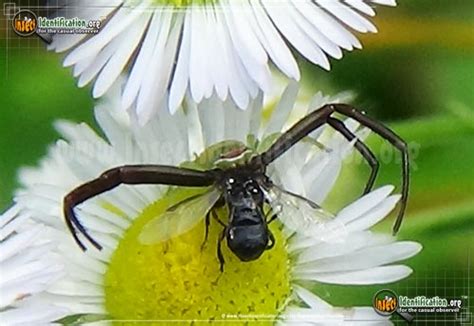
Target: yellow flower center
x=177, y=281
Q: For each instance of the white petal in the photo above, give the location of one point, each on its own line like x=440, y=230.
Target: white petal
x=273, y=43
x=218, y=68
x=311, y=28
x=144, y=57
x=195, y=136
x=180, y=77
x=211, y=113
x=99, y=61
x=255, y=118
x=116, y=131
x=348, y=16
x=311, y=300
x=321, y=185
x=19, y=242
x=30, y=313
x=283, y=109
x=248, y=83
x=75, y=288
x=198, y=73
x=374, y=216
x=236, y=122
x=288, y=26
x=329, y=26
x=364, y=204
x=289, y=174
x=82, y=65
x=13, y=225
x=377, y=275
x=62, y=43
x=153, y=88
x=361, y=6
x=173, y=140
x=385, y=2
x=314, y=249
x=118, y=23
x=363, y=259
x=6, y=217
x=119, y=59
x=33, y=277
x=90, y=10
x=236, y=82
x=247, y=45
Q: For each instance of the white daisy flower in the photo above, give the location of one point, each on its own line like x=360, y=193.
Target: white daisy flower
x=219, y=47
x=177, y=280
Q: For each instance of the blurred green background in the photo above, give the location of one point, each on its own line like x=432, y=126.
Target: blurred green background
x=416, y=74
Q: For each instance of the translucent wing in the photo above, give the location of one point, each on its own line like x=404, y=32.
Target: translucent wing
x=305, y=217
x=179, y=218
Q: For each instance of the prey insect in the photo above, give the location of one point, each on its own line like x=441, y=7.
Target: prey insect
x=245, y=188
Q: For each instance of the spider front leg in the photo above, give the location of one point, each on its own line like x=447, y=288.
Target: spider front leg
x=322, y=116
x=361, y=148
x=127, y=174
x=395, y=140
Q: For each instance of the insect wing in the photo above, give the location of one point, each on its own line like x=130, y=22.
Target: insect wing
x=307, y=219
x=180, y=218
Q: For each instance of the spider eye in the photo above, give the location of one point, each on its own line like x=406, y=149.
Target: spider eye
x=231, y=180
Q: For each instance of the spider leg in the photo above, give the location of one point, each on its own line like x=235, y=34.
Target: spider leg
x=298, y=131
x=128, y=174
x=219, y=250
x=395, y=140
x=272, y=218
x=321, y=116
x=271, y=237
x=71, y=229
x=362, y=148
x=207, y=222
x=216, y=217
x=206, y=234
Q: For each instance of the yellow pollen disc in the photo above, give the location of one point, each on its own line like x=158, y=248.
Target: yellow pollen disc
x=176, y=281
